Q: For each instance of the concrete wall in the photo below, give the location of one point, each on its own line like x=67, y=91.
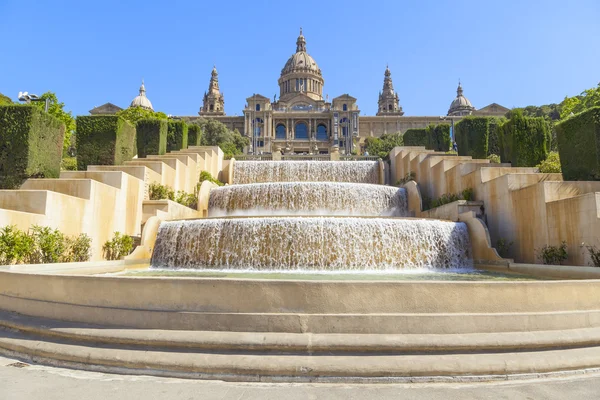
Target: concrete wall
x=106, y=199
x=521, y=205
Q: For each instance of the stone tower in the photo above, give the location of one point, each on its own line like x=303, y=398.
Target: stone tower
x=213, y=102
x=460, y=106
x=389, y=103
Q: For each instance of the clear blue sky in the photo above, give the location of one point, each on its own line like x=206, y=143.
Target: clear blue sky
x=514, y=53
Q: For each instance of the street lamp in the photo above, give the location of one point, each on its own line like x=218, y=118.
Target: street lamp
x=28, y=98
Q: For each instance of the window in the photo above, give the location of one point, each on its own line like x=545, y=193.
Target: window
x=212, y=107
x=321, y=132
x=260, y=143
x=390, y=107
x=345, y=125
x=280, y=132
x=258, y=107
x=301, y=131
x=258, y=126
x=345, y=107
x=297, y=85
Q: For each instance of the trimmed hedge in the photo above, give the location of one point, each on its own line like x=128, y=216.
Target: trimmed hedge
x=578, y=140
x=194, y=135
x=31, y=145
x=472, y=136
x=493, y=140
x=151, y=137
x=177, y=135
x=524, y=141
x=415, y=137
x=104, y=140
x=438, y=137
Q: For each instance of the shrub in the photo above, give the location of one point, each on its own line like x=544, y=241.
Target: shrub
x=550, y=165
x=206, y=176
x=415, y=137
x=31, y=145
x=438, y=137
x=493, y=139
x=553, y=255
x=494, y=158
x=472, y=136
x=151, y=137
x=194, y=135
x=15, y=245
x=104, y=140
x=503, y=247
x=468, y=194
x=381, y=147
x=118, y=247
x=524, y=141
x=578, y=140
x=407, y=178
x=77, y=249
x=187, y=199
x=177, y=135
x=594, y=256
x=68, y=164
x=156, y=191
x=49, y=245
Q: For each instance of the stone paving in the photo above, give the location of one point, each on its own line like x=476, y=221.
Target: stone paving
x=32, y=382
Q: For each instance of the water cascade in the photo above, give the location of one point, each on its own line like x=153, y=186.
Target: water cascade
x=305, y=171
x=308, y=198
x=312, y=243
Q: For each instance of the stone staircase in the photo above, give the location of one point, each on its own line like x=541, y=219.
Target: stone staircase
x=105, y=199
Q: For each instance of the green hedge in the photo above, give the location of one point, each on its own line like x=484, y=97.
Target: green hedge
x=578, y=140
x=194, y=135
x=524, y=141
x=151, y=137
x=438, y=137
x=472, y=136
x=177, y=135
x=31, y=144
x=493, y=140
x=104, y=140
x=415, y=137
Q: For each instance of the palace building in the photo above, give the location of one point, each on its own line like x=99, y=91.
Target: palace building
x=301, y=120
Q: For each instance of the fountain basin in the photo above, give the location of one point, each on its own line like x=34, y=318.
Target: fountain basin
x=312, y=243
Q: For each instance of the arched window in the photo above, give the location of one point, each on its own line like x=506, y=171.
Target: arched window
x=301, y=131
x=321, y=132
x=212, y=107
x=280, y=132
x=390, y=107
x=257, y=107
x=345, y=107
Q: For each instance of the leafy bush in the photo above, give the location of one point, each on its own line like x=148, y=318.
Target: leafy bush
x=407, y=178
x=194, y=135
x=594, y=256
x=151, y=137
x=68, y=164
x=31, y=145
x=503, y=247
x=494, y=158
x=187, y=199
x=524, y=141
x=118, y=247
x=416, y=137
x=578, y=140
x=42, y=245
x=553, y=255
x=177, y=135
x=206, y=176
x=104, y=140
x=156, y=191
x=550, y=165
x=468, y=194
x=381, y=146
x=472, y=136
x=493, y=139
x=215, y=133
x=438, y=137
x=135, y=114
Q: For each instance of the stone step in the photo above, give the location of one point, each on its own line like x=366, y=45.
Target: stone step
x=271, y=367
x=111, y=178
x=81, y=188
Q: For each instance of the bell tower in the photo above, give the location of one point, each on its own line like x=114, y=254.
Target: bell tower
x=213, y=102
x=389, y=103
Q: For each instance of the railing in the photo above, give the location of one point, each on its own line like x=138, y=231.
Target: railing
x=305, y=157
x=359, y=158
x=253, y=157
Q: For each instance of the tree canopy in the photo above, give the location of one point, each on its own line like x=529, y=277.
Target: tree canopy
x=134, y=114
x=57, y=109
x=587, y=99
x=382, y=146
x=4, y=99
x=215, y=133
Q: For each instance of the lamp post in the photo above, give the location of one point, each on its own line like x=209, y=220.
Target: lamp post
x=28, y=98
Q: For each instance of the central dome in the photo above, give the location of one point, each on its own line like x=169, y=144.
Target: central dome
x=301, y=74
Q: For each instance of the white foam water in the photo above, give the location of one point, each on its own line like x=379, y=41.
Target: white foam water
x=312, y=243
x=306, y=171
x=308, y=198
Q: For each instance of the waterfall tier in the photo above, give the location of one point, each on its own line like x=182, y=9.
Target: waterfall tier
x=308, y=198
x=312, y=243
x=306, y=171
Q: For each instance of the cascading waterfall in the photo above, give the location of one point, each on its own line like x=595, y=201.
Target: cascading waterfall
x=305, y=171
x=312, y=243
x=308, y=198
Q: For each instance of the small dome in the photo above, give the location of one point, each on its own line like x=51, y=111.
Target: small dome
x=460, y=105
x=301, y=61
x=141, y=100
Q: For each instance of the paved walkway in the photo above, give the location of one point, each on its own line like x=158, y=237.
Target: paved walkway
x=35, y=382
